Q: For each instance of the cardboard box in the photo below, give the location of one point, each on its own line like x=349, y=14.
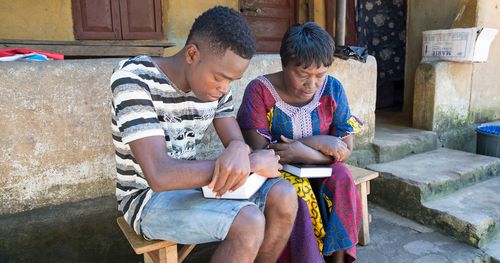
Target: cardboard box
x=252, y=185
x=460, y=44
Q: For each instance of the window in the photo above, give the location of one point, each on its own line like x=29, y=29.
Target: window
x=117, y=19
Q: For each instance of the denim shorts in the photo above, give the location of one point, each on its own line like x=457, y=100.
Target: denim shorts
x=186, y=217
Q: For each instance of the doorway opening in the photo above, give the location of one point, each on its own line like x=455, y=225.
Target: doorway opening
x=382, y=30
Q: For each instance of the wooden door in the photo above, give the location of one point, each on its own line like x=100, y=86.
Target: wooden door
x=117, y=19
x=96, y=19
x=269, y=20
x=141, y=19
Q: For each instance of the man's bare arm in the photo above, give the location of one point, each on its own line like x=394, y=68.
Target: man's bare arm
x=163, y=172
x=228, y=130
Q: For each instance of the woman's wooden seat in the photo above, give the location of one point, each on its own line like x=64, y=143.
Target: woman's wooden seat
x=362, y=178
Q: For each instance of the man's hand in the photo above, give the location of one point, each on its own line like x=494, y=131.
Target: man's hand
x=290, y=151
x=231, y=168
x=265, y=163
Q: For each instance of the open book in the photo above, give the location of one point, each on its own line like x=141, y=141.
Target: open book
x=308, y=170
x=252, y=185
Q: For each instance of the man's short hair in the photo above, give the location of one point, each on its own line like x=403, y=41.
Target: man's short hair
x=305, y=44
x=224, y=28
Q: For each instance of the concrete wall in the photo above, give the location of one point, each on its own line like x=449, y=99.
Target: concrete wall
x=361, y=92
x=451, y=98
x=485, y=87
x=56, y=146
x=423, y=15
x=442, y=103
x=56, y=138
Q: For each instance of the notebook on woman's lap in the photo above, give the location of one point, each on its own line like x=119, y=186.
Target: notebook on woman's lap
x=308, y=170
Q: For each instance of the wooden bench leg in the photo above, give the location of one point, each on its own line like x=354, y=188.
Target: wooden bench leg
x=162, y=255
x=184, y=252
x=364, y=234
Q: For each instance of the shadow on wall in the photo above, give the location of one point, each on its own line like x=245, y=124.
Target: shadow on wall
x=80, y=232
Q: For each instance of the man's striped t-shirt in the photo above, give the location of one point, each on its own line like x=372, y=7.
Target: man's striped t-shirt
x=146, y=103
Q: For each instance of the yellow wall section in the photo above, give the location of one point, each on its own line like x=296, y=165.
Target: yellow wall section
x=180, y=16
x=319, y=12
x=36, y=20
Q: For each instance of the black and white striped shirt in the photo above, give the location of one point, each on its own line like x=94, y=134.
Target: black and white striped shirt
x=146, y=103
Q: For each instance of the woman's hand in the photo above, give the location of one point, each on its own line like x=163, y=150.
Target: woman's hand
x=265, y=163
x=231, y=168
x=291, y=151
x=335, y=148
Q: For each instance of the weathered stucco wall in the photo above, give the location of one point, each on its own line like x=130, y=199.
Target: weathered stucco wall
x=56, y=138
x=361, y=92
x=485, y=88
x=56, y=146
x=451, y=98
x=442, y=103
x=441, y=89
x=423, y=15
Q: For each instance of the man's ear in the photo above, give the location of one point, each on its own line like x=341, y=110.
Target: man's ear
x=192, y=53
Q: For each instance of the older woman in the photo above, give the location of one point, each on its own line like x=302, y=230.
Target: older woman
x=303, y=114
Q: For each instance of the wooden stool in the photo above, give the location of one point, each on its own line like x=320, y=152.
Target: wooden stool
x=154, y=251
x=166, y=251
x=362, y=178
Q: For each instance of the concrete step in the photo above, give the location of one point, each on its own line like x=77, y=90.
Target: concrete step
x=394, y=142
x=405, y=185
x=492, y=248
x=436, y=173
x=472, y=213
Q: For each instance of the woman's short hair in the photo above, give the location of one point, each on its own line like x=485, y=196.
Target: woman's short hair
x=305, y=44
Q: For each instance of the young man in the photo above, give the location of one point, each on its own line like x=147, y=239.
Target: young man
x=161, y=108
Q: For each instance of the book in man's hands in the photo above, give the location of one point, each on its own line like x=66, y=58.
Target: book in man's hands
x=308, y=170
x=251, y=186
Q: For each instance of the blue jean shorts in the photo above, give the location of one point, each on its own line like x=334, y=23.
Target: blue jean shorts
x=186, y=217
